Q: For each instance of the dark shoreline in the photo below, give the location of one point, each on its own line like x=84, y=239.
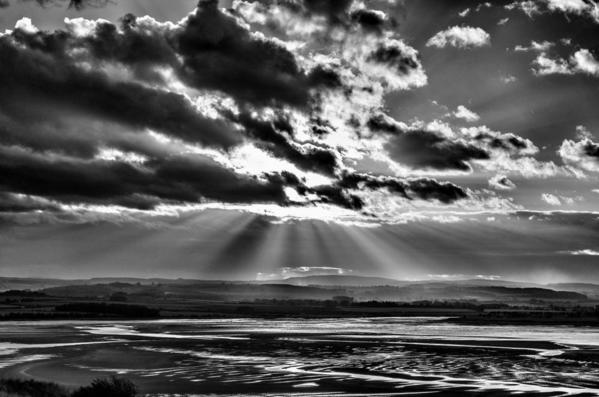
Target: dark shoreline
x=441, y=318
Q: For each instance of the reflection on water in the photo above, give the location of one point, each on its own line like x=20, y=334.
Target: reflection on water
x=390, y=356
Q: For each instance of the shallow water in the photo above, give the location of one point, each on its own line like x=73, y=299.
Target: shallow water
x=367, y=356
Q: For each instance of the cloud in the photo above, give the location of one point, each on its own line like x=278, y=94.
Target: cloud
x=208, y=111
x=466, y=114
x=583, y=252
x=303, y=271
x=176, y=179
x=17, y=203
x=544, y=66
x=271, y=134
x=588, y=9
x=582, y=61
x=501, y=182
x=218, y=53
x=460, y=37
x=574, y=6
x=436, y=147
x=334, y=11
x=76, y=4
x=534, y=46
x=582, y=154
x=417, y=188
x=555, y=200
x=48, y=75
x=551, y=199
x=370, y=20
x=423, y=149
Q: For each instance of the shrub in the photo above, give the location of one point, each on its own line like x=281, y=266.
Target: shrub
x=110, y=387
x=30, y=388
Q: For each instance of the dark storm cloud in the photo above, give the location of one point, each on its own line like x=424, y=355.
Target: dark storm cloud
x=15, y=203
x=422, y=188
x=394, y=56
x=69, y=95
x=76, y=4
x=79, y=137
x=336, y=195
x=344, y=192
x=220, y=54
x=591, y=149
x=270, y=135
x=431, y=189
x=333, y=10
x=177, y=179
x=426, y=149
x=138, y=47
x=370, y=20
x=361, y=181
x=208, y=50
x=508, y=142
x=46, y=80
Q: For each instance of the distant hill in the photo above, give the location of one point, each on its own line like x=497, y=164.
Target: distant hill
x=23, y=283
x=14, y=283
x=590, y=290
x=362, y=288
x=225, y=291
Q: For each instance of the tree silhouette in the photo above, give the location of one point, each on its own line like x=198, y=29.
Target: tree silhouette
x=110, y=387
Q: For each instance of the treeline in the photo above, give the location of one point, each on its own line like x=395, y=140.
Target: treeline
x=110, y=387
x=112, y=309
x=22, y=293
x=46, y=315
x=433, y=304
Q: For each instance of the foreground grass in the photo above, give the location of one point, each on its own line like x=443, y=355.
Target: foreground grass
x=109, y=387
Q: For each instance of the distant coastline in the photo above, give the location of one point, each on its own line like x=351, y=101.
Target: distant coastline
x=464, y=302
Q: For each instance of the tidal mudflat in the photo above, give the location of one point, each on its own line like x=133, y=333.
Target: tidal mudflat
x=351, y=357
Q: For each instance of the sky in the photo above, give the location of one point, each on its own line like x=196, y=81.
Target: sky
x=263, y=139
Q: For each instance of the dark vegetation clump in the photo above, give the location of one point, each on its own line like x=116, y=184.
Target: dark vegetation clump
x=30, y=388
x=113, y=387
x=110, y=387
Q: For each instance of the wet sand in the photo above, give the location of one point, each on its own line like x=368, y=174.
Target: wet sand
x=318, y=358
